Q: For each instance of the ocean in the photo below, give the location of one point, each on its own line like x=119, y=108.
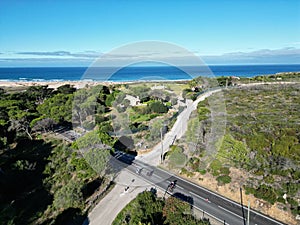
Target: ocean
x=138, y=72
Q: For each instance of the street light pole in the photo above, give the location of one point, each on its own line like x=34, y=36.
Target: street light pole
x=248, y=216
x=162, y=145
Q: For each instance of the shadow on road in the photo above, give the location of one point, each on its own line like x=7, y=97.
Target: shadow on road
x=118, y=162
x=184, y=198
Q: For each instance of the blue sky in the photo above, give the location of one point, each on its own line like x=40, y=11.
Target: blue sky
x=74, y=33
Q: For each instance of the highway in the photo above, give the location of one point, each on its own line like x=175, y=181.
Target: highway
x=217, y=206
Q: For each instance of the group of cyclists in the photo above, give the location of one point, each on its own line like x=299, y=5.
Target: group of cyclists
x=171, y=186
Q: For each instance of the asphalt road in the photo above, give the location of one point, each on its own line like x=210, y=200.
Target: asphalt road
x=177, y=131
x=217, y=206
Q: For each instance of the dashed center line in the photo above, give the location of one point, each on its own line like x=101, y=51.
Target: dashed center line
x=156, y=175
x=204, y=199
x=179, y=187
x=231, y=212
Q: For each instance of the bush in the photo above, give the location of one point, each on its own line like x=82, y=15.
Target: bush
x=290, y=188
x=215, y=165
x=177, y=159
x=109, y=100
x=249, y=190
x=100, y=118
x=194, y=163
x=186, y=172
x=225, y=170
x=266, y=193
x=202, y=172
x=223, y=179
x=67, y=196
x=281, y=200
x=185, y=92
x=147, y=208
x=158, y=107
x=202, y=113
x=88, y=125
x=292, y=202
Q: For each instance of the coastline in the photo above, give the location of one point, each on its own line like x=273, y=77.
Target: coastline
x=55, y=84
x=77, y=84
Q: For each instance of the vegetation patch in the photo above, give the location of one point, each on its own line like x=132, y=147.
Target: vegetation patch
x=147, y=208
x=262, y=138
x=223, y=179
x=176, y=157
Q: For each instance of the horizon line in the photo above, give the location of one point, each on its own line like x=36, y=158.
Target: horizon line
x=212, y=64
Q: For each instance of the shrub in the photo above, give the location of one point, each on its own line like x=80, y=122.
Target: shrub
x=109, y=100
x=224, y=170
x=281, y=200
x=223, y=179
x=249, y=190
x=202, y=172
x=266, y=193
x=215, y=165
x=158, y=107
x=194, y=163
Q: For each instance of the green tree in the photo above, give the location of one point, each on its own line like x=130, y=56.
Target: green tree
x=178, y=212
x=69, y=195
x=155, y=129
x=37, y=94
x=20, y=120
x=58, y=108
x=66, y=89
x=93, y=151
x=157, y=107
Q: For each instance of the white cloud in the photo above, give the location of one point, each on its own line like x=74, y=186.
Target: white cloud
x=288, y=55
x=284, y=55
x=85, y=54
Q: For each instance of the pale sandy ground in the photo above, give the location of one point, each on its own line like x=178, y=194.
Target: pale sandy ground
x=83, y=83
x=54, y=84
x=109, y=207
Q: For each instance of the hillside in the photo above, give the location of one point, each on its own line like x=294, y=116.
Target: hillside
x=259, y=151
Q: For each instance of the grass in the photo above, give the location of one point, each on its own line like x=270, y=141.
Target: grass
x=177, y=88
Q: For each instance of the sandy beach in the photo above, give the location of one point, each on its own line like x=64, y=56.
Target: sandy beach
x=77, y=84
x=53, y=84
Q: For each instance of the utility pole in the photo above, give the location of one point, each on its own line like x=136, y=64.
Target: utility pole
x=248, y=216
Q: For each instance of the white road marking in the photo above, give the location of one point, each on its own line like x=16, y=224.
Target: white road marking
x=179, y=187
x=222, y=221
x=226, y=199
x=204, y=199
x=231, y=212
x=150, y=182
x=156, y=175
